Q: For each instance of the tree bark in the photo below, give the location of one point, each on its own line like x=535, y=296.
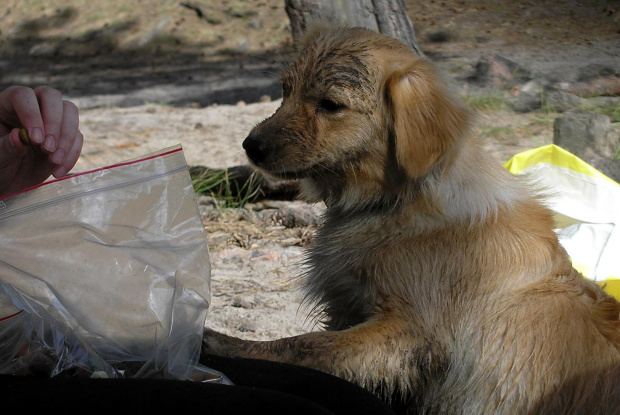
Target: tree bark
x=384, y=16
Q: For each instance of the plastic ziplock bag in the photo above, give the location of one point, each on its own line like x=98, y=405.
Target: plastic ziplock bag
x=587, y=210
x=107, y=272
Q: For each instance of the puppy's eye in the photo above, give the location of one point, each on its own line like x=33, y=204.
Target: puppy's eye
x=327, y=105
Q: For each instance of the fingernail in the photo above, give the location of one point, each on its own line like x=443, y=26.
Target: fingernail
x=50, y=143
x=36, y=136
x=59, y=172
x=58, y=156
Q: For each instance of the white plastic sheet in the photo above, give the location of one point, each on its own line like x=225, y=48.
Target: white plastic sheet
x=111, y=264
x=587, y=210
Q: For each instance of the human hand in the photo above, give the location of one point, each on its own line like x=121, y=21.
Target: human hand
x=55, y=140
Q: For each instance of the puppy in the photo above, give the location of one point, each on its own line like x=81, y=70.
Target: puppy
x=437, y=274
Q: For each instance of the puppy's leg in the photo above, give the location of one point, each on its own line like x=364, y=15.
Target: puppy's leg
x=380, y=354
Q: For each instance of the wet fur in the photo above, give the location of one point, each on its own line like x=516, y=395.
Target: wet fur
x=438, y=274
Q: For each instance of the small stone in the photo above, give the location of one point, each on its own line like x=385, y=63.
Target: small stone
x=242, y=302
x=206, y=200
x=525, y=102
x=263, y=255
x=440, y=36
x=291, y=214
x=497, y=71
x=247, y=327
x=560, y=101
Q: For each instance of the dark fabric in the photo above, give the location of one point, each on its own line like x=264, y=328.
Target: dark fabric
x=140, y=396
x=260, y=387
x=339, y=396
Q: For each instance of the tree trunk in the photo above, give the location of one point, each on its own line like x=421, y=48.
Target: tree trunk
x=384, y=16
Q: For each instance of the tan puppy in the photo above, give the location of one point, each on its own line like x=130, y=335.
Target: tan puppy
x=438, y=274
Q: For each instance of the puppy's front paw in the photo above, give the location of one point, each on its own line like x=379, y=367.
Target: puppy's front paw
x=214, y=343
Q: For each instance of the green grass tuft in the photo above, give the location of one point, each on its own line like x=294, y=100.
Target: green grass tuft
x=219, y=184
x=486, y=102
x=612, y=111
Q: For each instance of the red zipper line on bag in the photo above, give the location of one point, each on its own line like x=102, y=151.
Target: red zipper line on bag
x=11, y=316
x=127, y=163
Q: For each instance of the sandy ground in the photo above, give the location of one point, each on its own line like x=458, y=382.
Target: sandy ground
x=210, y=136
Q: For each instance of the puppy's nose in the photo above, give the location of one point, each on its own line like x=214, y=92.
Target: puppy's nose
x=255, y=147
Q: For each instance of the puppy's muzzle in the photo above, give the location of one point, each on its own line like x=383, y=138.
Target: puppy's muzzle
x=256, y=147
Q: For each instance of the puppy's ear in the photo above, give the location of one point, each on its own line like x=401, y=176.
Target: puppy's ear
x=428, y=121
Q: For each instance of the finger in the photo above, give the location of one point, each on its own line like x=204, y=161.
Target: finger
x=19, y=107
x=11, y=145
x=67, y=134
x=71, y=158
x=51, y=104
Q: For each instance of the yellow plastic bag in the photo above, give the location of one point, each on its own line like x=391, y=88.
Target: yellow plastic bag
x=587, y=207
